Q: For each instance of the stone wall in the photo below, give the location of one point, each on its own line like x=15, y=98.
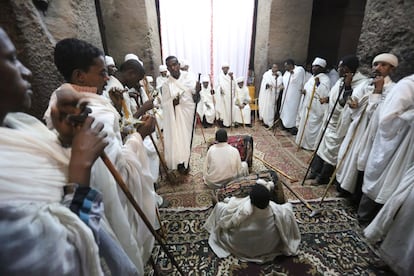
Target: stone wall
x=388, y=26
x=131, y=26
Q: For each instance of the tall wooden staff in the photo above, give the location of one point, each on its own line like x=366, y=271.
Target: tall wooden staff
x=283, y=102
x=307, y=113
x=212, y=92
x=194, y=122
x=231, y=100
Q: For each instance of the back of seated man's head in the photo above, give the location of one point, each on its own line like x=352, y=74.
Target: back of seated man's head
x=221, y=135
x=259, y=196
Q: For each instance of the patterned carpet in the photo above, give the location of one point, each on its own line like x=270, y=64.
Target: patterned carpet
x=331, y=245
x=277, y=148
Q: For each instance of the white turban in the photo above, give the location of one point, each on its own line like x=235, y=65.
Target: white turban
x=163, y=68
x=109, y=61
x=388, y=58
x=205, y=79
x=319, y=61
x=149, y=79
x=240, y=79
x=225, y=64
x=133, y=57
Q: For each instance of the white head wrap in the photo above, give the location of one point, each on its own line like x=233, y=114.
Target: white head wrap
x=163, y=68
x=319, y=61
x=386, y=57
x=149, y=79
x=134, y=57
x=240, y=79
x=225, y=64
x=109, y=61
x=205, y=79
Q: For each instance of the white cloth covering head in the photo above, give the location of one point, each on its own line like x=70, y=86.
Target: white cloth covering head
x=149, y=79
x=240, y=79
x=319, y=61
x=386, y=57
x=225, y=64
x=134, y=57
x=205, y=79
x=163, y=68
x=109, y=61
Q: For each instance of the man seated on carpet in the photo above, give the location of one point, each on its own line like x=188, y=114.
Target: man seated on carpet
x=253, y=228
x=223, y=162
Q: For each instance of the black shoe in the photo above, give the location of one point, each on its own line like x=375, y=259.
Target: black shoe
x=311, y=176
x=181, y=168
x=293, y=130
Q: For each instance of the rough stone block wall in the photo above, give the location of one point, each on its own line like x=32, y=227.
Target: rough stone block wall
x=388, y=26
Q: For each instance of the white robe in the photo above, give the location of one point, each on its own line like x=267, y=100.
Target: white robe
x=252, y=234
x=131, y=161
x=268, y=97
x=49, y=238
x=316, y=111
x=354, y=142
x=225, y=94
x=222, y=164
x=394, y=225
x=178, y=120
x=393, y=148
x=206, y=106
x=331, y=141
x=293, y=85
x=242, y=115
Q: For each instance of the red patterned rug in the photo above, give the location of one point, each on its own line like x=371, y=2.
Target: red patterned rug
x=275, y=147
x=331, y=244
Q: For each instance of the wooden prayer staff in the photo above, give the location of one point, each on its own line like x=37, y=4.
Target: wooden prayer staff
x=333, y=176
x=301, y=199
x=274, y=168
x=134, y=203
x=307, y=113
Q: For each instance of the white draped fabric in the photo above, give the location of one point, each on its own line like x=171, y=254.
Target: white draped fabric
x=393, y=149
x=312, y=113
x=206, y=106
x=237, y=227
x=46, y=238
x=293, y=85
x=269, y=96
x=394, y=225
x=335, y=132
x=354, y=142
x=131, y=160
x=178, y=120
x=208, y=33
x=242, y=115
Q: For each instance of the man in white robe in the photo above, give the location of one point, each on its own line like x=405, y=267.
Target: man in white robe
x=38, y=234
x=323, y=165
x=130, y=159
x=272, y=83
x=206, y=108
x=360, y=109
x=178, y=103
x=394, y=228
x=225, y=95
x=241, y=108
x=222, y=163
x=163, y=77
x=253, y=228
x=392, y=151
x=311, y=117
x=293, y=81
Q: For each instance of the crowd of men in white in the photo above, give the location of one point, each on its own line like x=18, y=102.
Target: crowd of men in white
x=356, y=124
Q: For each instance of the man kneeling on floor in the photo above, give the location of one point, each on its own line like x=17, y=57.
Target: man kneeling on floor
x=223, y=162
x=253, y=228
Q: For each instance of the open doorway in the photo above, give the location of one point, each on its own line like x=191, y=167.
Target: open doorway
x=335, y=29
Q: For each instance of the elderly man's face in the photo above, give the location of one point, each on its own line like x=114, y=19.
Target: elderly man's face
x=15, y=89
x=382, y=68
x=225, y=69
x=316, y=69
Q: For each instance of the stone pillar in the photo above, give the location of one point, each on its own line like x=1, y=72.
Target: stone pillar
x=131, y=26
x=283, y=29
x=388, y=26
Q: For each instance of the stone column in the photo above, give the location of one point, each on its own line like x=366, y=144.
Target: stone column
x=388, y=26
x=131, y=26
